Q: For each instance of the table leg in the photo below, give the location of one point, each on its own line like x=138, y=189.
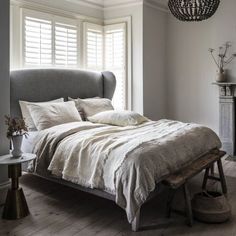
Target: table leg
x=15, y=206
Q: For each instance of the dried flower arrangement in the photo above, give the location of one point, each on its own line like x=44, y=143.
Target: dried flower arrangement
x=223, y=59
x=16, y=127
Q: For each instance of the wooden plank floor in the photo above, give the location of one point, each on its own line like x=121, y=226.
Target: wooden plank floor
x=62, y=211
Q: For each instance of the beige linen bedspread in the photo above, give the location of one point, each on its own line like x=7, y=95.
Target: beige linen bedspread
x=125, y=161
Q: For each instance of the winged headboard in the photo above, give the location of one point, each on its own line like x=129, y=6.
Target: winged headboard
x=40, y=85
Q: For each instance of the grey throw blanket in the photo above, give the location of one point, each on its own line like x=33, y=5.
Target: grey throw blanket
x=125, y=161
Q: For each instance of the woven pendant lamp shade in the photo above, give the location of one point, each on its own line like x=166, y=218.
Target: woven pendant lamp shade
x=193, y=10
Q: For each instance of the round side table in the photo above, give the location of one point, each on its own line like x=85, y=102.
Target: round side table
x=15, y=206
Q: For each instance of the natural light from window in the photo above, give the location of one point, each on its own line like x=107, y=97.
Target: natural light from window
x=54, y=41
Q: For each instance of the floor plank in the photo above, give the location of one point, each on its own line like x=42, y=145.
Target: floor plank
x=62, y=211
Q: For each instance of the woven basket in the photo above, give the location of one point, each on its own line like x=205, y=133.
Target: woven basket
x=211, y=207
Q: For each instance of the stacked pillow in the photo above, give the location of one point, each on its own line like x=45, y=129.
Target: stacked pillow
x=26, y=113
x=43, y=115
x=91, y=106
x=119, y=118
x=46, y=115
x=100, y=110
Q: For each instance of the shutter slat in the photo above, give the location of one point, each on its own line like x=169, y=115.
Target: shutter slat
x=38, y=41
x=94, y=47
x=66, y=43
x=115, y=61
x=39, y=48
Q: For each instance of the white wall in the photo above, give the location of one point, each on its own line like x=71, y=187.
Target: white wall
x=190, y=70
x=136, y=12
x=154, y=63
x=4, y=90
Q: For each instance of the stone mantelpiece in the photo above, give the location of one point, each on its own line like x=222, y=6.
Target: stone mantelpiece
x=227, y=121
x=227, y=89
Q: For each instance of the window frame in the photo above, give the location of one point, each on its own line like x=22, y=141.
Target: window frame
x=19, y=9
x=123, y=23
x=112, y=27
x=64, y=20
x=129, y=74
x=54, y=19
x=85, y=27
x=34, y=14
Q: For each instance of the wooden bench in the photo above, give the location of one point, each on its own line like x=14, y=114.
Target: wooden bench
x=180, y=179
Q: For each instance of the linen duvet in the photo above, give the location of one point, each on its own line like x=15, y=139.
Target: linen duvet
x=127, y=162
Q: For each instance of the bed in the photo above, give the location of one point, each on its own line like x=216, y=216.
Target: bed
x=123, y=174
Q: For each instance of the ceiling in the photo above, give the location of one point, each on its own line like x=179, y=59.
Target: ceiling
x=116, y=3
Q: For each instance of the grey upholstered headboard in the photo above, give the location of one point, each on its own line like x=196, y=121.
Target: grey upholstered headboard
x=39, y=85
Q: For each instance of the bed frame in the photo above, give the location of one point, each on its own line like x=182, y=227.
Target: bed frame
x=135, y=225
x=39, y=85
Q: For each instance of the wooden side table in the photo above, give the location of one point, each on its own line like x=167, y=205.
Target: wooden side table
x=15, y=206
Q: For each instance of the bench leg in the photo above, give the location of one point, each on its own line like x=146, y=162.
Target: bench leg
x=222, y=177
x=204, y=183
x=188, y=205
x=213, y=169
x=135, y=223
x=169, y=202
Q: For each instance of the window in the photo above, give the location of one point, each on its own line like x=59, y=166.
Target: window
x=105, y=49
x=115, y=60
x=66, y=45
x=49, y=41
x=37, y=42
x=93, y=49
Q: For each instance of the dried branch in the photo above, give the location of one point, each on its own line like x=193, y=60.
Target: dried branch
x=222, y=56
x=212, y=55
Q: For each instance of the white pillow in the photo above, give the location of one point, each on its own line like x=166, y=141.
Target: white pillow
x=92, y=106
x=119, y=118
x=46, y=115
x=26, y=114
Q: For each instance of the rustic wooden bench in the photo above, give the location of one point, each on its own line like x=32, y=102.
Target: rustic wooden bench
x=180, y=179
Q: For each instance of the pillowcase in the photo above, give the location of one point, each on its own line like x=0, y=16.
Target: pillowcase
x=119, y=118
x=91, y=106
x=46, y=115
x=26, y=114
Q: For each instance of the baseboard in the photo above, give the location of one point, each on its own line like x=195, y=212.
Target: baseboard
x=3, y=191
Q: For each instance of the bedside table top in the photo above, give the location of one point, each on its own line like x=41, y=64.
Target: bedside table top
x=10, y=160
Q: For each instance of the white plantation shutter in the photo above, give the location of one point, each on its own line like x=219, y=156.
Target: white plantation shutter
x=54, y=41
x=66, y=45
x=93, y=46
x=37, y=42
x=105, y=49
x=49, y=40
x=115, y=61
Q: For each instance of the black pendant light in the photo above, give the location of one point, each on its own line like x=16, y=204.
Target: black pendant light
x=193, y=10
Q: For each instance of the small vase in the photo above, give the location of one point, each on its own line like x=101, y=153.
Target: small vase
x=17, y=142
x=221, y=77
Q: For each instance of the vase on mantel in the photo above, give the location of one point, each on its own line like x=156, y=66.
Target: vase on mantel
x=16, y=143
x=221, y=76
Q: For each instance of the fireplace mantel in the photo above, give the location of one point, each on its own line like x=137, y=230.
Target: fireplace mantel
x=227, y=92
x=227, y=89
